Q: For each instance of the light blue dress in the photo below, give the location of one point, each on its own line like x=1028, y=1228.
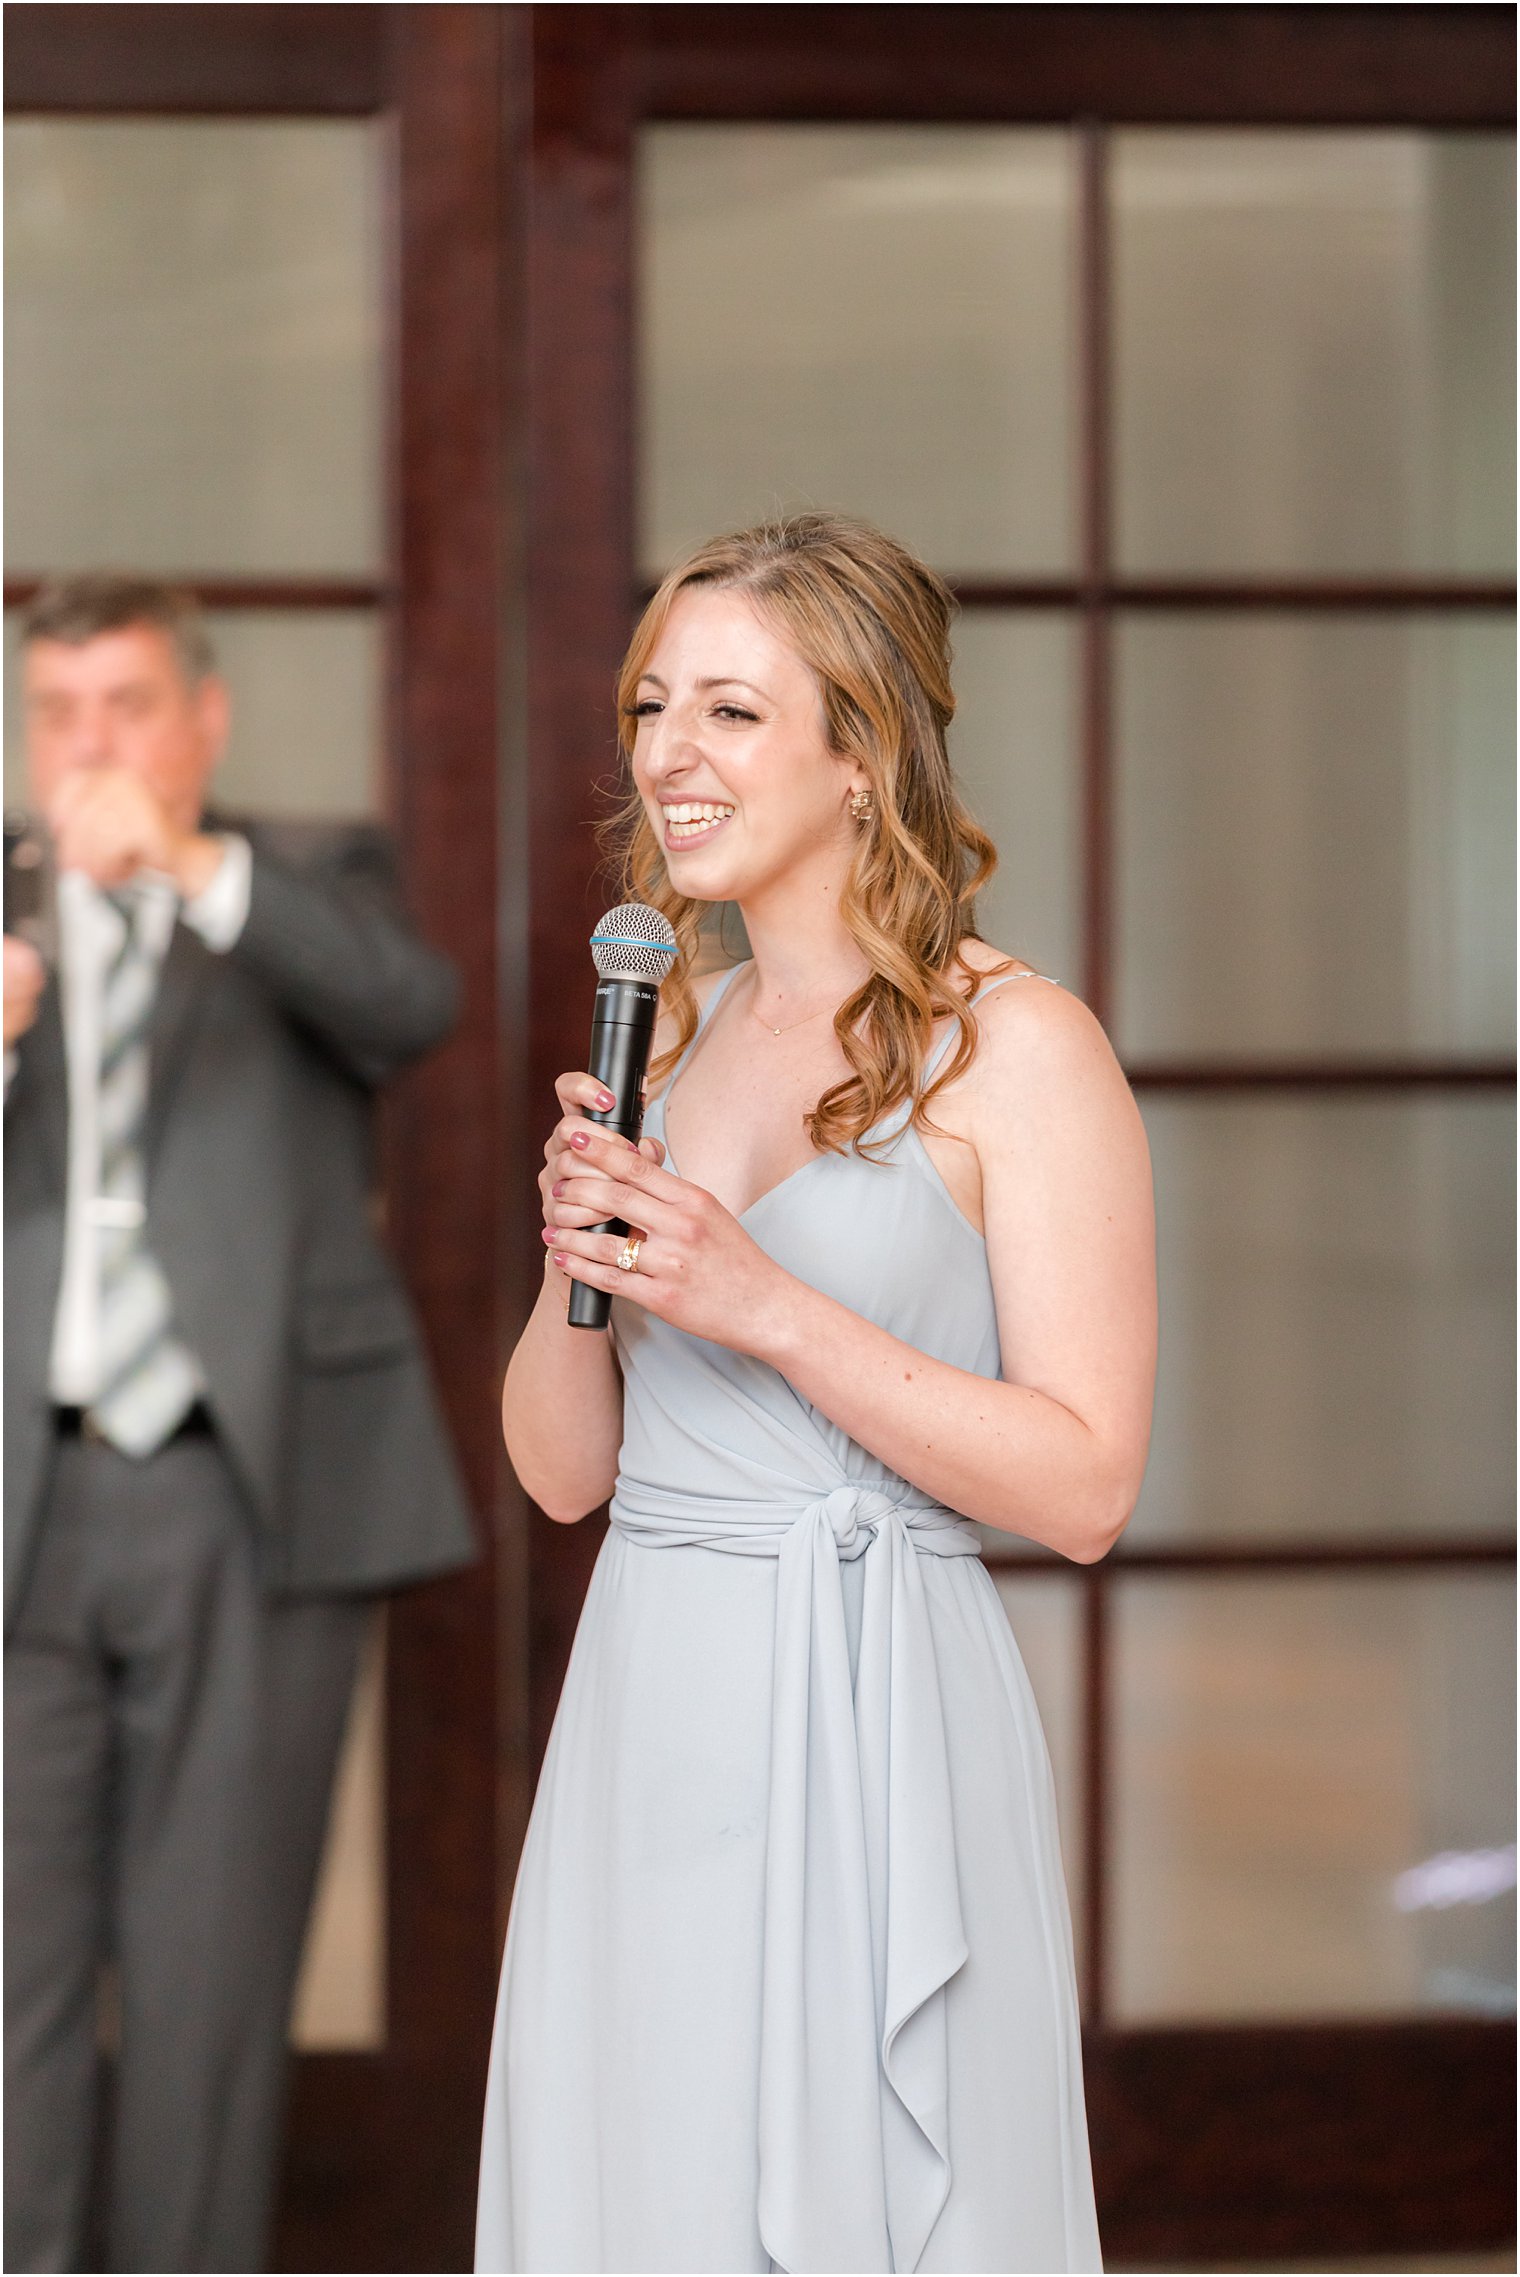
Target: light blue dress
x=788, y=1980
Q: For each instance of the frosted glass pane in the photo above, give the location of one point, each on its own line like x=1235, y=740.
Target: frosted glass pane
x=1045, y=1614
x=874, y=319
x=1014, y=749
x=1314, y=344
x=1315, y=835
x=193, y=345
x=306, y=713
x=306, y=727
x=340, y=1996
x=1314, y=1796
x=1337, y=1317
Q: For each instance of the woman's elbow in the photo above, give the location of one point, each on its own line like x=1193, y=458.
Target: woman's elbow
x=565, y=1506
x=1111, y=1512
x=1093, y=1546
x=567, y=1501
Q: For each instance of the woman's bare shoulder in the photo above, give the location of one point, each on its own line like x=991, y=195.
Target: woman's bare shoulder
x=1042, y=1070
x=1040, y=1044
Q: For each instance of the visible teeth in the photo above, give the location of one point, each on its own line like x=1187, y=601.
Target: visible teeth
x=694, y=814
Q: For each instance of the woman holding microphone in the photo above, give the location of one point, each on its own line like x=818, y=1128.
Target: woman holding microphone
x=788, y=1980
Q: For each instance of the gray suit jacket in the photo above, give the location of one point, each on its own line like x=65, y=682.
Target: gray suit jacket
x=263, y=1063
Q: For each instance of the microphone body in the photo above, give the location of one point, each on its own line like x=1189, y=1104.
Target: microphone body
x=622, y=1032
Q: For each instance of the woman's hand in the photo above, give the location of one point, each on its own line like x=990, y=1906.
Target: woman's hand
x=576, y=1093
x=697, y=1268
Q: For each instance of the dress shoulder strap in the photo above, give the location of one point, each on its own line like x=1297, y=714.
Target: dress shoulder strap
x=995, y=980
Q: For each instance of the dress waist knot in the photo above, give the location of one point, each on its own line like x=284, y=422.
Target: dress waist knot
x=863, y=1927
x=854, y=1511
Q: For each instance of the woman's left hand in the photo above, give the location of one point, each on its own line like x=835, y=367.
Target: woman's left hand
x=697, y=1267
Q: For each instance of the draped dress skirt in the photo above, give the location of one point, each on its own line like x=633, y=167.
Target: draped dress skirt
x=788, y=1981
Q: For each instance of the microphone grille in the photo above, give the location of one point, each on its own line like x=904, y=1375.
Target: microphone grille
x=633, y=942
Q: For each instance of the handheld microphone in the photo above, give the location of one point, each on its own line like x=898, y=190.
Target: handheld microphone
x=631, y=949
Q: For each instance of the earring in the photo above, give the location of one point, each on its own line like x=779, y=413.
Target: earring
x=862, y=806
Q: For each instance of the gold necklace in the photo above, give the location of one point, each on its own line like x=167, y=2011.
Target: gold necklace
x=791, y=1024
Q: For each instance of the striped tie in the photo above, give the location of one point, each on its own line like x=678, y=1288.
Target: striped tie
x=147, y=1380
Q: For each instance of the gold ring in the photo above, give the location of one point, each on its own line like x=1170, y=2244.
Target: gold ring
x=628, y=1255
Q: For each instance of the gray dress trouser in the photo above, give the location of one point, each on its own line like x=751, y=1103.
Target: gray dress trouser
x=170, y=1739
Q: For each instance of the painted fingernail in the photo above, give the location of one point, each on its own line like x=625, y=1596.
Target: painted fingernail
x=605, y=1101
x=581, y=1139
x=550, y=1234
x=557, y=1188
x=559, y=1258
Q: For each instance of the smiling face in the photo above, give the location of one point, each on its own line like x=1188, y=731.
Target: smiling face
x=731, y=755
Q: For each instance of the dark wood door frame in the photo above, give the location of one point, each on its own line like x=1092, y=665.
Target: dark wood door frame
x=576, y=613
x=383, y=2148
x=1128, y=65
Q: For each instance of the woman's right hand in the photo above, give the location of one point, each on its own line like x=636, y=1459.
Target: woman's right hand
x=577, y=1094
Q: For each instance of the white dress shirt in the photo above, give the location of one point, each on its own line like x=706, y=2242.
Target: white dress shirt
x=89, y=933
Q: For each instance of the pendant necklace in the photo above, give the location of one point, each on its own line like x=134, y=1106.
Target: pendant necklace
x=791, y=1024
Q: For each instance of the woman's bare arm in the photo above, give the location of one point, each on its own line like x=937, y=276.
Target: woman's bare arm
x=562, y=1408
x=1055, y=1451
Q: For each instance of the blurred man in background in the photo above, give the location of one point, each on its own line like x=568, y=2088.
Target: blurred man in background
x=220, y=1436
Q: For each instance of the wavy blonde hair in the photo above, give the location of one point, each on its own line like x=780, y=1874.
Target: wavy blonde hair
x=873, y=624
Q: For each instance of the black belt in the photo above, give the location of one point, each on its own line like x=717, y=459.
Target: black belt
x=77, y=1423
